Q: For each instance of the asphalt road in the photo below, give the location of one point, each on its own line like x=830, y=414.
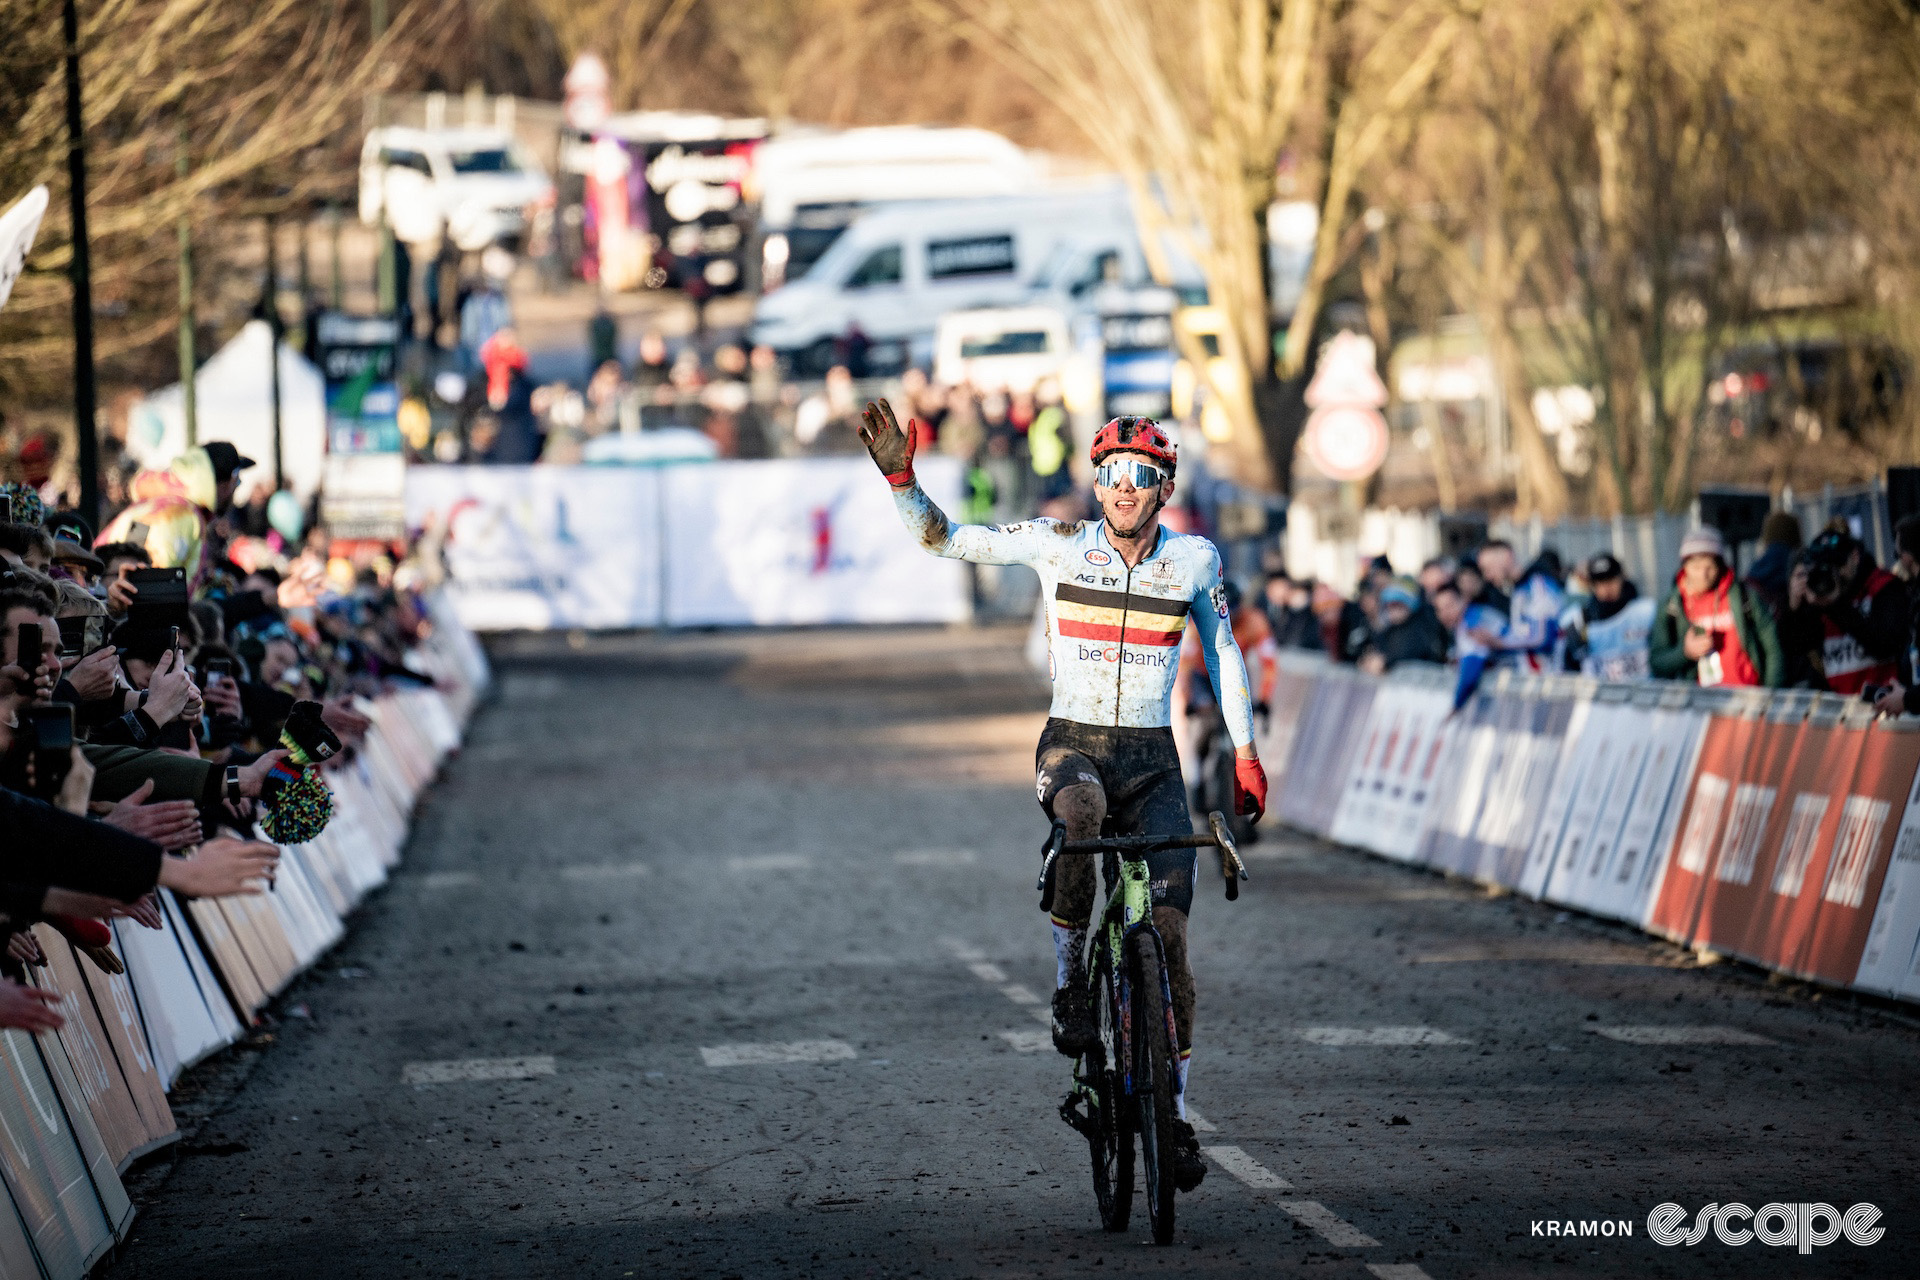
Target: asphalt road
x=664, y=864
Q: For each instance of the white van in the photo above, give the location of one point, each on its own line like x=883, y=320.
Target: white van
x=812, y=186
x=472, y=185
x=897, y=270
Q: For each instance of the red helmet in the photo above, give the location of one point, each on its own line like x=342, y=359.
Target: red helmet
x=1135, y=435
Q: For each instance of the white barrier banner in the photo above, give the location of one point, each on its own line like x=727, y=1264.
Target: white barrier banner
x=1570, y=769
x=543, y=547
x=1645, y=837
x=798, y=541
x=792, y=541
x=1891, y=962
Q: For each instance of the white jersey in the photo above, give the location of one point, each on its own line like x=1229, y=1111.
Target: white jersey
x=1113, y=629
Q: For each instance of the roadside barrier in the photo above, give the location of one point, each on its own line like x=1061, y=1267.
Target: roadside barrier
x=79, y=1105
x=1782, y=827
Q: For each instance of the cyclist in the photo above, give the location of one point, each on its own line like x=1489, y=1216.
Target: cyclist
x=1118, y=593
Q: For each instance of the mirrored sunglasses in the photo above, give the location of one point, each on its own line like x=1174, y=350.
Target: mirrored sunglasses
x=1142, y=475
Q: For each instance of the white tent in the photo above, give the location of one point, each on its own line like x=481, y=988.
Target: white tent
x=234, y=402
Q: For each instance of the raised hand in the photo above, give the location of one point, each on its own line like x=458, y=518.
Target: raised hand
x=890, y=447
x=220, y=868
x=171, y=824
x=28, y=1008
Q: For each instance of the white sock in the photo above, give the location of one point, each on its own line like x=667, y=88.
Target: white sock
x=1180, y=1085
x=1069, y=952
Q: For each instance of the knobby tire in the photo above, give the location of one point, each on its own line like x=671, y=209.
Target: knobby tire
x=1112, y=1147
x=1153, y=1083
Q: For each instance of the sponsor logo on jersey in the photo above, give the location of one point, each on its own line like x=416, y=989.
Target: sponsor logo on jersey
x=1087, y=613
x=1096, y=556
x=1158, y=660
x=1219, y=598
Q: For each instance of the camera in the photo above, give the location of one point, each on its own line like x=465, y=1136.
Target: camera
x=1825, y=557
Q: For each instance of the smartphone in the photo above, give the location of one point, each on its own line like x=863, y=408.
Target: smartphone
x=160, y=598
x=219, y=669
x=26, y=653
x=137, y=534
x=73, y=638
x=173, y=637
x=52, y=746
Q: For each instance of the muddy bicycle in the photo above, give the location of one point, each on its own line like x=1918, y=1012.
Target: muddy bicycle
x=1124, y=1087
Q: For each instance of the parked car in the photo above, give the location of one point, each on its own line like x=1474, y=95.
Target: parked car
x=473, y=186
x=1000, y=348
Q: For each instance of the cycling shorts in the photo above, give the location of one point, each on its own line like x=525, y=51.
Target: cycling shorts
x=1139, y=770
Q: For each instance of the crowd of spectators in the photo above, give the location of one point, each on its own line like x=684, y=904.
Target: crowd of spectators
x=170, y=688
x=1820, y=616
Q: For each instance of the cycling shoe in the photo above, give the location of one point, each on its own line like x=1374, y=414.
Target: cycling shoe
x=1189, y=1166
x=1073, y=1031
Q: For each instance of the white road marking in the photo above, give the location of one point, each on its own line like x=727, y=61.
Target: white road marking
x=476, y=1069
x=757, y=1055
x=770, y=862
x=1199, y=1122
x=1028, y=1041
x=1397, y=1271
x=963, y=950
x=1680, y=1035
x=1246, y=1168
x=448, y=879
x=607, y=871
x=988, y=972
x=937, y=858
x=1019, y=994
x=1375, y=1037
x=1331, y=1227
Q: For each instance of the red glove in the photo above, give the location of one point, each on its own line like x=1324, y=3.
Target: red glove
x=1249, y=788
x=82, y=932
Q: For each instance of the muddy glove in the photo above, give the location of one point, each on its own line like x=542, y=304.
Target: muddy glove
x=891, y=448
x=1249, y=788
x=92, y=937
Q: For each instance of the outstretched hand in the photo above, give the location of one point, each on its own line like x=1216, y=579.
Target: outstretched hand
x=890, y=447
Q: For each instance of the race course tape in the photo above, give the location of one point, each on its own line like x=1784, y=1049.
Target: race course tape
x=78, y=1105
x=1780, y=827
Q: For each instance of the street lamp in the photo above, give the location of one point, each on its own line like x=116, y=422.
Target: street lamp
x=85, y=402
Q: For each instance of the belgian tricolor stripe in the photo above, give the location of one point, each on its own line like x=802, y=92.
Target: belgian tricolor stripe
x=1087, y=614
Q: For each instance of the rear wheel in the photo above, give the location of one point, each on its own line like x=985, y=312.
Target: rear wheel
x=1111, y=1142
x=1153, y=1083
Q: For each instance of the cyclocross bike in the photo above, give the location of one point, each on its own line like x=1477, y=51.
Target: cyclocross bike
x=1125, y=1086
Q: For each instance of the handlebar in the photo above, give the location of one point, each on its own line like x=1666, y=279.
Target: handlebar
x=1219, y=836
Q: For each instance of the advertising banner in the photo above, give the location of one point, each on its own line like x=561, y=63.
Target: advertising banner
x=43, y=1166
x=1411, y=781
x=800, y=541
x=1611, y=734
x=787, y=542
x=1462, y=785
x=96, y=1069
x=1639, y=856
x=1570, y=768
x=1723, y=756
x=1742, y=864
x=1356, y=818
x=537, y=548
x=1890, y=964
x=1844, y=886
x=363, y=490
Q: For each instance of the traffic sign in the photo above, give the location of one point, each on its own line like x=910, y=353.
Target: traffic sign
x=1346, y=374
x=1347, y=442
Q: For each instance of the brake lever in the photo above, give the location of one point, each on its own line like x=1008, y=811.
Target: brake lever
x=1056, y=841
x=1229, y=853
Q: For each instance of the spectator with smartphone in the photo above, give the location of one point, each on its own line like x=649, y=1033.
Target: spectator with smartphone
x=1712, y=629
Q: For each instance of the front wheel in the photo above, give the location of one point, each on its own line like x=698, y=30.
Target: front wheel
x=1111, y=1139
x=1153, y=1081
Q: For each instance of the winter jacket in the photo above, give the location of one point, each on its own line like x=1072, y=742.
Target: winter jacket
x=1752, y=622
